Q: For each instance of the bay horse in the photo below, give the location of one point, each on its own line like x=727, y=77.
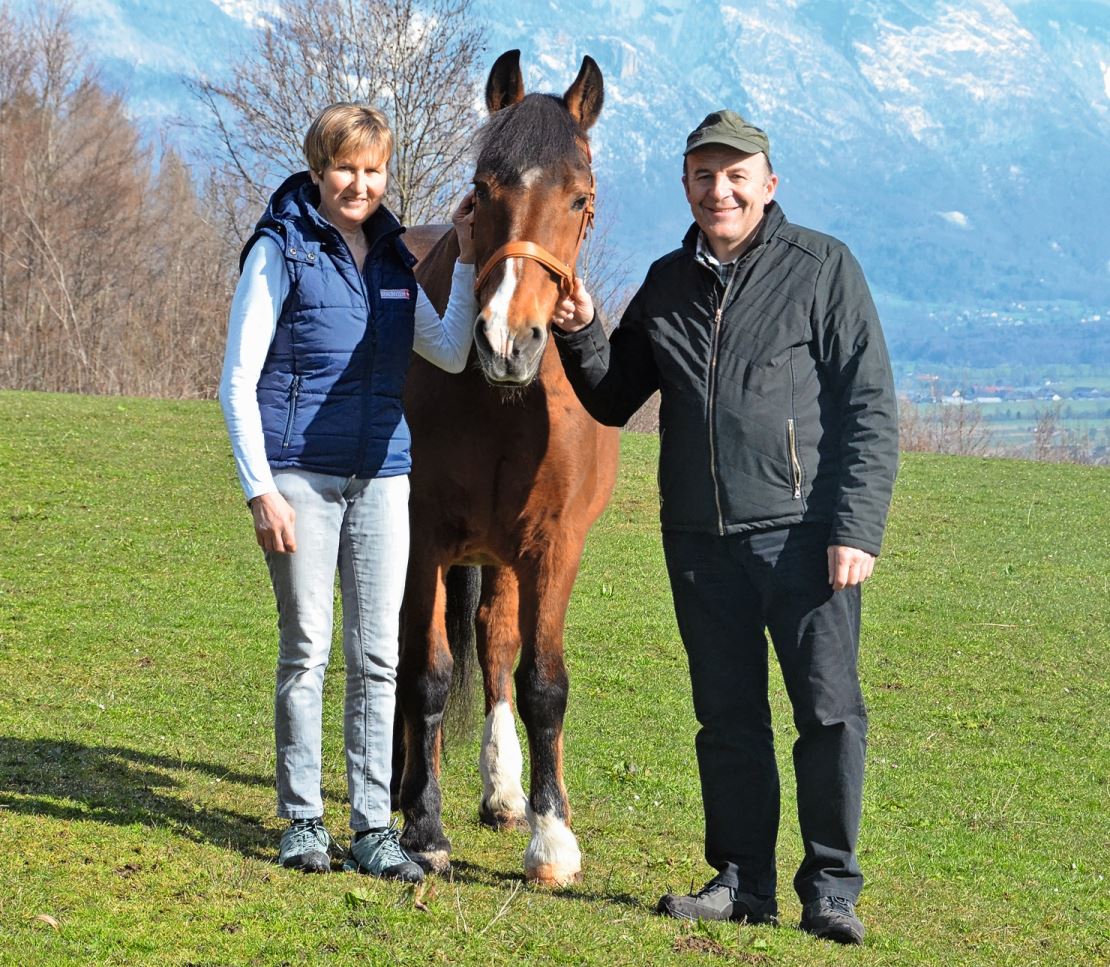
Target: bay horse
x=509, y=472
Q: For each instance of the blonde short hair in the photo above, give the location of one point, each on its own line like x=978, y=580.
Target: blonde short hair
x=343, y=130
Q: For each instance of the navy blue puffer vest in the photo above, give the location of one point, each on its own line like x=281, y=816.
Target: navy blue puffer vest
x=330, y=390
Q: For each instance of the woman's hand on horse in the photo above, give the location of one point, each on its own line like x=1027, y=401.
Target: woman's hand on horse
x=463, y=220
x=273, y=523
x=576, y=311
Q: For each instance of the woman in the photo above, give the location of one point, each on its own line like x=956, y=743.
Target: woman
x=325, y=316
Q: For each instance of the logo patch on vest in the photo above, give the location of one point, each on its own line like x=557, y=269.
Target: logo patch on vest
x=395, y=294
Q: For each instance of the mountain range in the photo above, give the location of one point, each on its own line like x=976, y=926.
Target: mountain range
x=962, y=149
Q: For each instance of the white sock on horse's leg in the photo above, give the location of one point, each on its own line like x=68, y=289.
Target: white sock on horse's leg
x=552, y=857
x=501, y=765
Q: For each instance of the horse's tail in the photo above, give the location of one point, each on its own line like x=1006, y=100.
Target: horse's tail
x=463, y=586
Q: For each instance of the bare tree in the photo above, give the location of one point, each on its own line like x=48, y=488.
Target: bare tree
x=417, y=60
x=914, y=432
x=1044, y=433
x=430, y=71
x=16, y=64
x=956, y=428
x=960, y=429
x=112, y=280
x=603, y=271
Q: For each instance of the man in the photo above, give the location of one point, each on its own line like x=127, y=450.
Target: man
x=778, y=451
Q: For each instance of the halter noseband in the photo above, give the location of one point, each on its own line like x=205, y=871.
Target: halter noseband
x=520, y=249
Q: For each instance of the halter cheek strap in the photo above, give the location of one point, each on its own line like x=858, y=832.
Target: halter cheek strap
x=520, y=249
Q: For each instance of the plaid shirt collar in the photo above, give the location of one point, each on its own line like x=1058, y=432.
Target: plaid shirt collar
x=704, y=254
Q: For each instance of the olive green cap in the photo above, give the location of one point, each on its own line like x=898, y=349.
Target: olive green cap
x=727, y=127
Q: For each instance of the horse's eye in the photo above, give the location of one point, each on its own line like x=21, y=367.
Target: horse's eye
x=579, y=204
x=481, y=192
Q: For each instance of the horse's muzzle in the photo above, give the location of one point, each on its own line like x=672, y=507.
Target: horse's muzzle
x=509, y=357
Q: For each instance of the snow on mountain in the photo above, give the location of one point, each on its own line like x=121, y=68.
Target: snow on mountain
x=146, y=48
x=254, y=13
x=959, y=146
x=885, y=117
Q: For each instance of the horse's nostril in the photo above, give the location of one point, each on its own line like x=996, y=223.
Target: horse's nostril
x=527, y=340
x=480, y=337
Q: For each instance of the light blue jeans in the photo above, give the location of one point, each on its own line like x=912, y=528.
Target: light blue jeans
x=362, y=526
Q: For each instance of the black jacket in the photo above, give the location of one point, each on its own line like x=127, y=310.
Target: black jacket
x=777, y=401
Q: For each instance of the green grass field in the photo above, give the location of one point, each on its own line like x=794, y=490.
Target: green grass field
x=136, y=760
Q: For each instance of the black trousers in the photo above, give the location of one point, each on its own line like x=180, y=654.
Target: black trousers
x=728, y=592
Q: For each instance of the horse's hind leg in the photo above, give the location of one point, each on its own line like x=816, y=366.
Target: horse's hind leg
x=498, y=639
x=423, y=683
x=552, y=856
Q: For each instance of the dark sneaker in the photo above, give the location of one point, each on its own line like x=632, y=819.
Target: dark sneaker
x=380, y=853
x=716, y=901
x=832, y=918
x=305, y=845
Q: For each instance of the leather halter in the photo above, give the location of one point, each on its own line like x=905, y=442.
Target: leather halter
x=521, y=249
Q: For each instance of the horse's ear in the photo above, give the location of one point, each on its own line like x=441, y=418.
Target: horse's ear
x=586, y=95
x=505, y=86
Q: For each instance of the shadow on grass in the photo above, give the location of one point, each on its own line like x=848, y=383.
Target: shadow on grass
x=473, y=873
x=113, y=784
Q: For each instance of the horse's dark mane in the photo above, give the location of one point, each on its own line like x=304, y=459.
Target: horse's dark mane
x=535, y=132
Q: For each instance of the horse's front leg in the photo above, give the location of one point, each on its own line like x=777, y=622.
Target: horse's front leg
x=497, y=628
x=423, y=683
x=552, y=857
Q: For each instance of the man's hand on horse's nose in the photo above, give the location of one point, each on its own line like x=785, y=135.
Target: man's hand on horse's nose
x=576, y=311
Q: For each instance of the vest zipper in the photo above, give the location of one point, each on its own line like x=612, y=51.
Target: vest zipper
x=294, y=392
x=712, y=399
x=795, y=463
x=367, y=377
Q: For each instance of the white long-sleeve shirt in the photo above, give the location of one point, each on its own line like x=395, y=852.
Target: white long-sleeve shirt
x=255, y=308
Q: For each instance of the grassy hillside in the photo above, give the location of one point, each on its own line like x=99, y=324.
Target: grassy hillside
x=136, y=761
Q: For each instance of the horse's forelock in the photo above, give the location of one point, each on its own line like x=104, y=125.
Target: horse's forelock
x=537, y=132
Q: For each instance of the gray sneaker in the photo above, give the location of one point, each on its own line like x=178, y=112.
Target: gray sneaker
x=832, y=918
x=717, y=901
x=305, y=846
x=381, y=854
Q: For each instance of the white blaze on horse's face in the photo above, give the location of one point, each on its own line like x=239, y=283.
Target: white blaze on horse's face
x=510, y=337
x=494, y=318
x=530, y=177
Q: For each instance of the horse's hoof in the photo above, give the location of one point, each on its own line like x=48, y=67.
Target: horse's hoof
x=436, y=861
x=502, y=820
x=552, y=875
x=552, y=857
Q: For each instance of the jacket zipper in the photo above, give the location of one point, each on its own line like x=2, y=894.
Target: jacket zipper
x=795, y=463
x=294, y=392
x=712, y=395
